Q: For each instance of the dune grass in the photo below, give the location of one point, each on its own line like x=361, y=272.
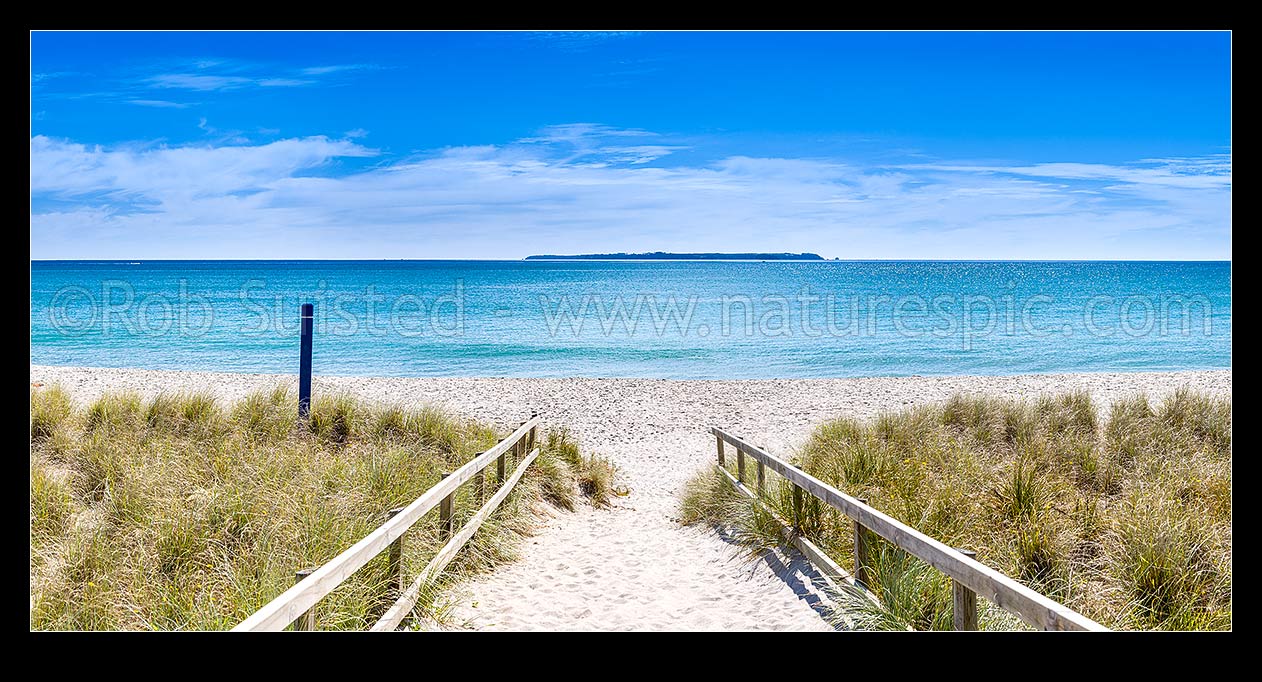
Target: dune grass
x=594, y=474
x=178, y=512
x=1126, y=519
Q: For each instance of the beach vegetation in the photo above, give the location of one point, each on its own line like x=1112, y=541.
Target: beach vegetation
x=594, y=474
x=1123, y=514
x=178, y=512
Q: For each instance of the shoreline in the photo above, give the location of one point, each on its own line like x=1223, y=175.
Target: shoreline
x=633, y=567
x=34, y=366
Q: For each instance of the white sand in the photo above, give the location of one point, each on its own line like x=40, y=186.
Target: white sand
x=634, y=567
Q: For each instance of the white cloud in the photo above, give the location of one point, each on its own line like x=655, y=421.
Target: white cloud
x=208, y=83
x=159, y=103
x=156, y=177
x=235, y=76
x=334, y=68
x=587, y=188
x=596, y=144
x=576, y=133
x=1213, y=172
x=283, y=82
x=193, y=81
x=577, y=41
x=41, y=77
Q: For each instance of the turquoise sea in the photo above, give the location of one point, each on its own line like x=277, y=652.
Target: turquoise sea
x=662, y=319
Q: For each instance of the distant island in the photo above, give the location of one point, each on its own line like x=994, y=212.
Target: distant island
x=662, y=255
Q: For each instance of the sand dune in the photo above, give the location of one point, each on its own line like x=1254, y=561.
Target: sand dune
x=634, y=567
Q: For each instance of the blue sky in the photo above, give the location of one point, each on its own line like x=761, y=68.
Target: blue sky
x=499, y=145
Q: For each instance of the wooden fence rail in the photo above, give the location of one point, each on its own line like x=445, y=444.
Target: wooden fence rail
x=970, y=577
x=312, y=586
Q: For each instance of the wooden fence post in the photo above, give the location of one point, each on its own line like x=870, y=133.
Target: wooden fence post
x=862, y=559
x=797, y=509
x=970, y=578
x=479, y=486
x=534, y=436
x=719, y=441
x=518, y=445
x=446, y=523
x=396, y=560
x=964, y=610
x=307, y=620
x=762, y=474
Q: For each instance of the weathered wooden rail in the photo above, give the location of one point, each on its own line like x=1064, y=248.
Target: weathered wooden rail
x=969, y=577
x=295, y=604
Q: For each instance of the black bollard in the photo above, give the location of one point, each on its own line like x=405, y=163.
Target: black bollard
x=304, y=362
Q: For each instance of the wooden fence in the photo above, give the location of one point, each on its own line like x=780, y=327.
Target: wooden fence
x=295, y=604
x=969, y=577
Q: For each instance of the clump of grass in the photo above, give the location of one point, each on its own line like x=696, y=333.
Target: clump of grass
x=709, y=497
x=1068, y=414
x=1023, y=495
x=50, y=408
x=911, y=593
x=267, y=415
x=390, y=423
x=1125, y=518
x=706, y=498
x=51, y=505
x=1169, y=566
x=594, y=474
x=180, y=513
x=558, y=485
x=335, y=419
x=596, y=480
x=114, y=412
x=184, y=413
x=1200, y=418
x=1038, y=555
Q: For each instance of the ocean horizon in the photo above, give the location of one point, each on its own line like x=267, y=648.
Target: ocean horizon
x=670, y=319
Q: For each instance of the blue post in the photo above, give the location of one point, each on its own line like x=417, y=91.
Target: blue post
x=304, y=361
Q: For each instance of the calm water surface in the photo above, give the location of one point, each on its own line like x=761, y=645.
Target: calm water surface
x=686, y=320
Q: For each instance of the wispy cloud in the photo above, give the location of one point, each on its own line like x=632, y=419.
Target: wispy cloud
x=219, y=75
x=160, y=103
x=1207, y=172
x=206, y=83
x=193, y=81
x=205, y=75
x=154, y=177
x=578, y=132
x=598, y=143
x=284, y=82
x=335, y=68
x=577, y=41
x=584, y=187
x=42, y=77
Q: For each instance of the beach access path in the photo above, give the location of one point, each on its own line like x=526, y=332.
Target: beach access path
x=634, y=567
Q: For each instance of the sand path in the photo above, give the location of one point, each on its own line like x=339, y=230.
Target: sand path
x=634, y=567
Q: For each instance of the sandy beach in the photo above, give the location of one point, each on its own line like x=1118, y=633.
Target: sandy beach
x=634, y=567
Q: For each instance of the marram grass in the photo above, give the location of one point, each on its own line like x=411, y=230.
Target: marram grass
x=1126, y=519
x=179, y=513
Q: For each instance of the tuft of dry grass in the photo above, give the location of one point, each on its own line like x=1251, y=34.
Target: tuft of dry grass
x=594, y=474
x=1126, y=518
x=181, y=513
